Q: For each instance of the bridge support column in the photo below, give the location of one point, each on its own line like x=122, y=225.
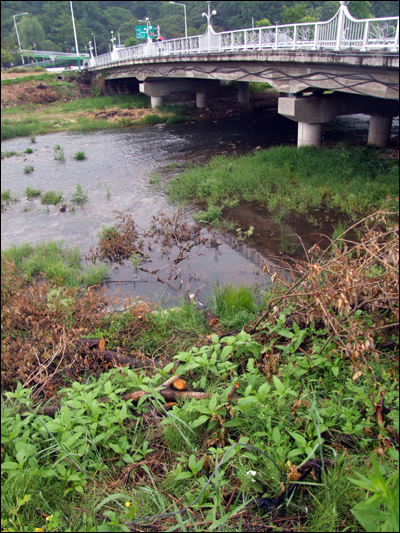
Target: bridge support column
x=309, y=134
x=243, y=92
x=379, y=130
x=155, y=101
x=201, y=99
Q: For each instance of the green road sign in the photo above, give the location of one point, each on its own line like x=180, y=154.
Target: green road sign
x=141, y=32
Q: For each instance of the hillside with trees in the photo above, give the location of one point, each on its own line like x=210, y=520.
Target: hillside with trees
x=48, y=24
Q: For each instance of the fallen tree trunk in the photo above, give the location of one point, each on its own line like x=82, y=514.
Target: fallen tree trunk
x=168, y=393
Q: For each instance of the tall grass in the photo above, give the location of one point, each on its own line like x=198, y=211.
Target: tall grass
x=285, y=179
x=233, y=305
x=55, y=262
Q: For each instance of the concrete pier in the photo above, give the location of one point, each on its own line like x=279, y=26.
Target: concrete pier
x=243, y=92
x=379, y=130
x=313, y=111
x=309, y=134
x=155, y=101
x=201, y=99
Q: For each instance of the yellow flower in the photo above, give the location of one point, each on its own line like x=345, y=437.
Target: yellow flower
x=127, y=504
x=38, y=529
x=48, y=518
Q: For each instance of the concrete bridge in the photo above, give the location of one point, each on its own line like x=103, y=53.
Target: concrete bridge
x=321, y=70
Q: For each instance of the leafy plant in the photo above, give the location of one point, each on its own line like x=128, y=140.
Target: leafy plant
x=32, y=138
x=30, y=192
x=79, y=155
x=28, y=151
x=243, y=235
x=107, y=191
x=58, y=153
x=51, y=197
x=28, y=169
x=79, y=197
x=380, y=512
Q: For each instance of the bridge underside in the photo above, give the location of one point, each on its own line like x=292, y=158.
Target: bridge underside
x=361, y=83
x=288, y=72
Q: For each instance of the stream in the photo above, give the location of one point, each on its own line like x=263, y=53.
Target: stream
x=123, y=162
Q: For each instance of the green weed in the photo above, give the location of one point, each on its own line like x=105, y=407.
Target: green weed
x=58, y=153
x=107, y=191
x=233, y=305
x=79, y=155
x=285, y=180
x=7, y=197
x=8, y=154
x=30, y=193
x=28, y=151
x=79, y=197
x=212, y=215
x=51, y=197
x=28, y=169
x=32, y=138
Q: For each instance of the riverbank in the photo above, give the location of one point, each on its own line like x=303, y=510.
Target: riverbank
x=44, y=103
x=299, y=384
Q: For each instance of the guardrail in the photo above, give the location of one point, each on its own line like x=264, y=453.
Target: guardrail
x=341, y=32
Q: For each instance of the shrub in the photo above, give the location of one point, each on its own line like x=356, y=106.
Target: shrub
x=51, y=197
x=28, y=151
x=79, y=155
x=28, y=169
x=79, y=197
x=32, y=193
x=58, y=152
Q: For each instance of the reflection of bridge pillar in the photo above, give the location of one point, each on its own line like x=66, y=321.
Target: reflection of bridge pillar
x=243, y=92
x=379, y=130
x=201, y=99
x=155, y=101
x=309, y=134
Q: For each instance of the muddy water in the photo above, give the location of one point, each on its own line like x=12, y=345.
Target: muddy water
x=122, y=162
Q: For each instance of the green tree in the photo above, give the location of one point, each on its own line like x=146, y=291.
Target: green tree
x=263, y=22
x=329, y=9
x=360, y=9
x=6, y=57
x=131, y=41
x=30, y=31
x=295, y=13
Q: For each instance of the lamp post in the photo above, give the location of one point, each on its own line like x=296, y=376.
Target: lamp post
x=184, y=8
x=94, y=41
x=16, y=30
x=147, y=21
x=209, y=27
x=76, y=40
x=34, y=44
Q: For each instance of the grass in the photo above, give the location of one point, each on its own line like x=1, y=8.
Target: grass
x=351, y=181
x=54, y=262
x=51, y=197
x=8, y=154
x=28, y=169
x=99, y=456
x=79, y=114
x=233, y=305
x=79, y=197
x=30, y=193
x=7, y=196
x=58, y=153
x=79, y=155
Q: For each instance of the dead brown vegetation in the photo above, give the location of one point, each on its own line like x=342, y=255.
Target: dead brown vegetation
x=351, y=290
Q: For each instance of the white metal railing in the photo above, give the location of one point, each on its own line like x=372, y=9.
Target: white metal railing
x=342, y=32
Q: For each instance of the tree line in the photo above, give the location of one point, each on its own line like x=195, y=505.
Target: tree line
x=48, y=26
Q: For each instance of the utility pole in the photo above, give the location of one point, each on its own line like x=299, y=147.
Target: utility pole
x=76, y=40
x=16, y=30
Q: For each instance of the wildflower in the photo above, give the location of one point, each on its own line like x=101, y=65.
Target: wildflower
x=38, y=529
x=127, y=504
x=48, y=518
x=252, y=474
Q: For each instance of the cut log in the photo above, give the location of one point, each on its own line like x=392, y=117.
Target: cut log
x=169, y=394
x=179, y=384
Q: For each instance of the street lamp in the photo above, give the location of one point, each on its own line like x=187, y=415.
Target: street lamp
x=184, y=8
x=94, y=40
x=209, y=15
x=147, y=21
x=16, y=30
x=76, y=40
